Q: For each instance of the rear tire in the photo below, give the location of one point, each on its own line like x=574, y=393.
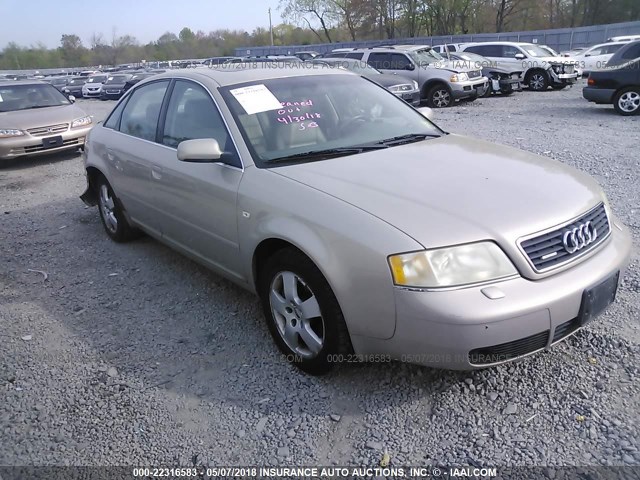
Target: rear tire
x=302, y=313
x=111, y=214
x=627, y=101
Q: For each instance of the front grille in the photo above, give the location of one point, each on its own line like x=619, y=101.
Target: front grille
x=475, y=74
x=113, y=91
x=565, y=329
x=508, y=351
x=547, y=250
x=39, y=148
x=48, y=130
x=568, y=68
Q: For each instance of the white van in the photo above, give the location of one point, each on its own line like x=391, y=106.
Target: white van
x=624, y=38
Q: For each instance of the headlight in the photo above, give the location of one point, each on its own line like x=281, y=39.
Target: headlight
x=447, y=267
x=81, y=122
x=10, y=132
x=400, y=88
x=459, y=77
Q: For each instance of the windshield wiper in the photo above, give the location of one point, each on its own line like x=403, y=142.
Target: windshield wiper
x=328, y=153
x=408, y=138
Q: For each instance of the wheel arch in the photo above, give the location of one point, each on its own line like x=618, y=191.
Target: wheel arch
x=429, y=84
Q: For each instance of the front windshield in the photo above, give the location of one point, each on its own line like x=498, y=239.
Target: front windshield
x=117, y=79
x=426, y=55
x=96, y=79
x=57, y=81
x=78, y=81
x=535, y=51
x=283, y=117
x=25, y=97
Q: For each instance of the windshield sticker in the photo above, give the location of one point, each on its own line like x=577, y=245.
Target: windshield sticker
x=256, y=99
x=1, y=99
x=294, y=112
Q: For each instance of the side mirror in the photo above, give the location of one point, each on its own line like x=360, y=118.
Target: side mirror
x=410, y=66
x=426, y=112
x=71, y=98
x=587, y=54
x=520, y=56
x=201, y=150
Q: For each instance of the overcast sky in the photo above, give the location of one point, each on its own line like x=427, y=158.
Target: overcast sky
x=27, y=22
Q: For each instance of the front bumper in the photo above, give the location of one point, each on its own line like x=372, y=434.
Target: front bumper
x=563, y=78
x=29, y=145
x=111, y=95
x=441, y=328
x=91, y=93
x=598, y=95
x=471, y=88
x=412, y=97
x=507, y=85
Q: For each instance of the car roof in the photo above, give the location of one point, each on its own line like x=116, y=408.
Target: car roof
x=12, y=83
x=232, y=74
x=606, y=44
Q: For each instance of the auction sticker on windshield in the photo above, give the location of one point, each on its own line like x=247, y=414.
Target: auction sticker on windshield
x=256, y=99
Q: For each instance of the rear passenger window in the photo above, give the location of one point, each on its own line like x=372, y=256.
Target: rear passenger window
x=141, y=113
x=399, y=61
x=486, y=50
x=379, y=60
x=356, y=56
x=509, y=51
x=192, y=114
x=632, y=52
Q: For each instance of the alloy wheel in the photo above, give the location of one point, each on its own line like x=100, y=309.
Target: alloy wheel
x=297, y=315
x=629, y=102
x=107, y=207
x=537, y=81
x=441, y=98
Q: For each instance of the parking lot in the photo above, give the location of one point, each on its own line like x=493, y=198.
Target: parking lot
x=130, y=354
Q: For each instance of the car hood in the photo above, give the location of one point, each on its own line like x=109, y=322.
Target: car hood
x=388, y=80
x=113, y=85
x=25, y=119
x=455, y=189
x=93, y=84
x=556, y=60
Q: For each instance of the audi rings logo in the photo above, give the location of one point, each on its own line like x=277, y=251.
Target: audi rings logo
x=578, y=238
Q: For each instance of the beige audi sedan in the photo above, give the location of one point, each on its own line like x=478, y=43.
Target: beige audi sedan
x=35, y=119
x=368, y=232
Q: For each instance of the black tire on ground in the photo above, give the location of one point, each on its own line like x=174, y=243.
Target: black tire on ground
x=627, y=101
x=439, y=96
x=538, y=80
x=110, y=208
x=329, y=327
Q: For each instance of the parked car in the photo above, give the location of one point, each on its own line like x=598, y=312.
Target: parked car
x=550, y=51
x=572, y=52
x=306, y=55
x=135, y=79
x=619, y=83
x=36, y=118
x=57, y=82
x=216, y=61
x=400, y=86
x=93, y=87
x=74, y=86
x=113, y=87
x=540, y=71
x=595, y=58
x=443, y=49
x=363, y=227
x=441, y=84
x=501, y=81
x=624, y=38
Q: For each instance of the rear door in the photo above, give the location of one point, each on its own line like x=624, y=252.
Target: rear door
x=130, y=149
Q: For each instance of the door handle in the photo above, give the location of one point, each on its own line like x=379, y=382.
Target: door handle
x=156, y=172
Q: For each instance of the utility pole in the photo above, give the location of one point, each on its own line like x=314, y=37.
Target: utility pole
x=270, y=27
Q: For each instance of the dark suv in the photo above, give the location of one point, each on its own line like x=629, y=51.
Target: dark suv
x=619, y=82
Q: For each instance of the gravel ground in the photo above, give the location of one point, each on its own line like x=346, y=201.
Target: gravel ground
x=133, y=355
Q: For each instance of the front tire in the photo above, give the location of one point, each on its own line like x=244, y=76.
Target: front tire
x=538, y=81
x=627, y=101
x=302, y=313
x=439, y=96
x=111, y=214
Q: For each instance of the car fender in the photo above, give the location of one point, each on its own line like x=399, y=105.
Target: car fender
x=348, y=245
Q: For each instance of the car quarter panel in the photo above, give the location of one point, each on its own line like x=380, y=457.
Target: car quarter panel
x=347, y=244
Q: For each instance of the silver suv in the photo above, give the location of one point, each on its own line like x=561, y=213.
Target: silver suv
x=440, y=82
x=540, y=69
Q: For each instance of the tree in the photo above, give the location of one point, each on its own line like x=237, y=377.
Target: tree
x=186, y=35
x=310, y=11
